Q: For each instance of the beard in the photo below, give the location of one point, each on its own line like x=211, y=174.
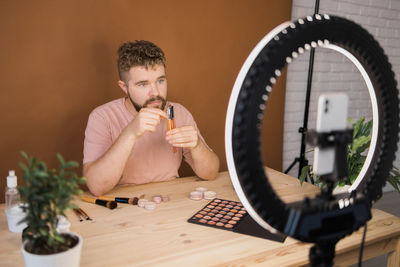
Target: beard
x=148, y=101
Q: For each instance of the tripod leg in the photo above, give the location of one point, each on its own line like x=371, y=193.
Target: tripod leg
x=322, y=254
x=292, y=165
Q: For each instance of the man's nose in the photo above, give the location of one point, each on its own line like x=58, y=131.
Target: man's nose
x=154, y=90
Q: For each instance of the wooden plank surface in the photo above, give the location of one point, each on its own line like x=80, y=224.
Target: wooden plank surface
x=129, y=235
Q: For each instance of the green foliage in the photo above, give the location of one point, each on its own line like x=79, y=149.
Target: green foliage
x=356, y=155
x=47, y=193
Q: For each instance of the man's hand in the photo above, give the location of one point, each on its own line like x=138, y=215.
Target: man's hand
x=146, y=120
x=185, y=136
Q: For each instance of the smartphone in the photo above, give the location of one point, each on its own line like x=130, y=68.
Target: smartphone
x=331, y=116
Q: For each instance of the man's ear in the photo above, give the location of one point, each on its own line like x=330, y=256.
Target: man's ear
x=123, y=86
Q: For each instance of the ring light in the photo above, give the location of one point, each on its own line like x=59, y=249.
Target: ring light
x=246, y=110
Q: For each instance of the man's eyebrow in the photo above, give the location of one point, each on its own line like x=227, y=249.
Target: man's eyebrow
x=146, y=81
x=143, y=81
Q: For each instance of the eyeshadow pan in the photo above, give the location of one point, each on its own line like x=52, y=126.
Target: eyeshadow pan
x=220, y=213
x=231, y=216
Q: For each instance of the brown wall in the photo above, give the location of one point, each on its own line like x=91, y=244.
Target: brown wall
x=57, y=63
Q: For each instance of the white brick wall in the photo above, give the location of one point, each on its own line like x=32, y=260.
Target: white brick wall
x=334, y=72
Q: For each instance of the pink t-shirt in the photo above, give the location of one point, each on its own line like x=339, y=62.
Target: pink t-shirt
x=152, y=158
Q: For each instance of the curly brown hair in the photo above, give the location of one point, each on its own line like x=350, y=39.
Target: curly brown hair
x=138, y=53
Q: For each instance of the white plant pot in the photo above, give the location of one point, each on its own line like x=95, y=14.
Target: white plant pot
x=69, y=258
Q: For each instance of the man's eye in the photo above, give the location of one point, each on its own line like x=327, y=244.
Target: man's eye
x=161, y=81
x=142, y=85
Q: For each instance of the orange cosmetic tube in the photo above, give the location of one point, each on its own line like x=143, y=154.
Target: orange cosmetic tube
x=171, y=122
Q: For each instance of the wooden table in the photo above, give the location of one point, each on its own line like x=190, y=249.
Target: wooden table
x=132, y=236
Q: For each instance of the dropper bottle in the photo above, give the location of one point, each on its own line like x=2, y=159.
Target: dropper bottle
x=12, y=194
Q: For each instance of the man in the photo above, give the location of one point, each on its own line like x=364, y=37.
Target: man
x=127, y=140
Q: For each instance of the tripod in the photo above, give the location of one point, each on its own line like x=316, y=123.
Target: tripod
x=302, y=160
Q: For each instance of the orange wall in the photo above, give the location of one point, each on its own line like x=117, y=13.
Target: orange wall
x=58, y=62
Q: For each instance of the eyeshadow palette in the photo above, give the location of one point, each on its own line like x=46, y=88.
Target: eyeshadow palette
x=232, y=216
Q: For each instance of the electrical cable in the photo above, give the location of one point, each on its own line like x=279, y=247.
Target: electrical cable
x=362, y=246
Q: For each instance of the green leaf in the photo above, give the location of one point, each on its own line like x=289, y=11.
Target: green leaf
x=24, y=167
x=59, y=238
x=361, y=143
x=71, y=164
x=303, y=175
x=350, y=120
x=60, y=158
x=23, y=153
x=357, y=127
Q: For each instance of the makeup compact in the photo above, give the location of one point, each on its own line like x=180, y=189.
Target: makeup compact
x=232, y=216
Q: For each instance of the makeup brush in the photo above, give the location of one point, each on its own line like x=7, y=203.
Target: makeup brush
x=131, y=200
x=84, y=214
x=105, y=203
x=171, y=120
x=77, y=213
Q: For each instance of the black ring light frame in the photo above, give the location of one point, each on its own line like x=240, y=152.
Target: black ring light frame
x=246, y=110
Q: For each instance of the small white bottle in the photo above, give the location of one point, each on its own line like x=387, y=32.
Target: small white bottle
x=12, y=194
x=13, y=210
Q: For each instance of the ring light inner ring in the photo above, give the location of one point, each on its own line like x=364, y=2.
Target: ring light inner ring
x=232, y=105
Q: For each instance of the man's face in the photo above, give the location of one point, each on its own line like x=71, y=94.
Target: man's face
x=147, y=87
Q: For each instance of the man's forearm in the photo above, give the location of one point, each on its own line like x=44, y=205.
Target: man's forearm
x=105, y=172
x=205, y=162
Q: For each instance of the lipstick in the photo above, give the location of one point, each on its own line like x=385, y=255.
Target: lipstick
x=171, y=121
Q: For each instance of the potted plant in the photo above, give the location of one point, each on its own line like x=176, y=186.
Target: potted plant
x=46, y=195
x=355, y=158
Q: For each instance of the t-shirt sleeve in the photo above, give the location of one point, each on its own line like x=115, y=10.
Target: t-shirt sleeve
x=97, y=137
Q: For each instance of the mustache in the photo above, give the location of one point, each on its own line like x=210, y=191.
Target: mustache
x=148, y=101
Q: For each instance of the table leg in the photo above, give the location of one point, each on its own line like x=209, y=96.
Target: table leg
x=394, y=256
